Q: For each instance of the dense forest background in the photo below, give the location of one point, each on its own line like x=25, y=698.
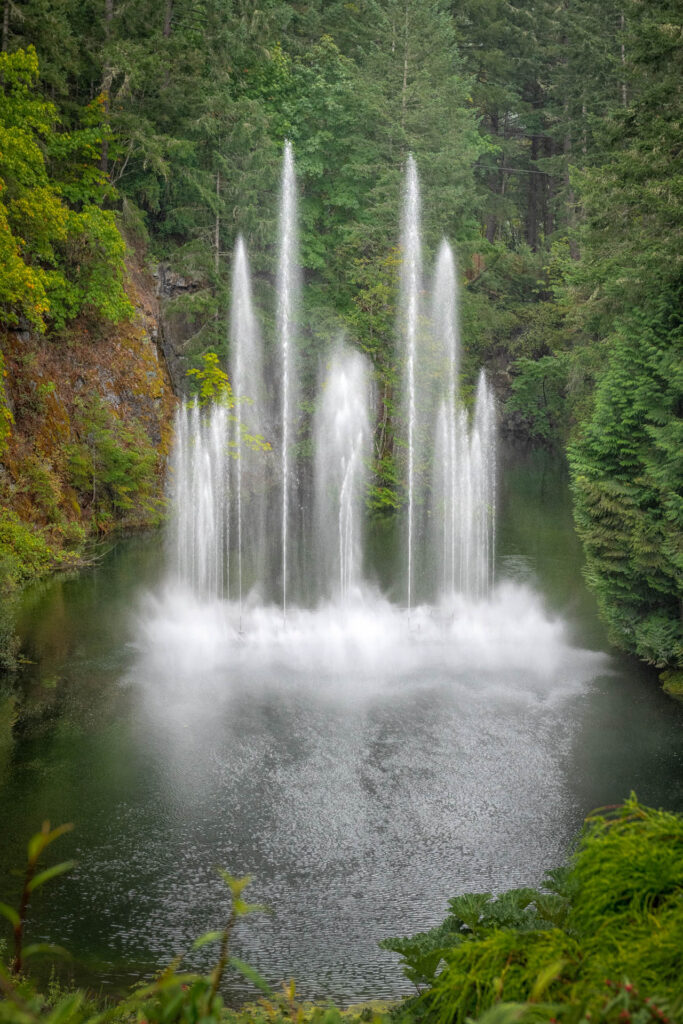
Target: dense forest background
x=547, y=135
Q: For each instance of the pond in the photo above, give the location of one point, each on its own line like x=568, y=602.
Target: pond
x=362, y=764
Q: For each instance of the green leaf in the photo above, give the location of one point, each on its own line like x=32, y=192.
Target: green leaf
x=549, y=973
x=236, y=885
x=65, y=1009
x=11, y=915
x=206, y=938
x=42, y=839
x=46, y=949
x=241, y=908
x=53, y=872
x=250, y=974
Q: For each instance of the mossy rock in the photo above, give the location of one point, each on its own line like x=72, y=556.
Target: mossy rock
x=672, y=682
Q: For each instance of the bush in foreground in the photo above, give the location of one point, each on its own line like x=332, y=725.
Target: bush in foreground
x=601, y=942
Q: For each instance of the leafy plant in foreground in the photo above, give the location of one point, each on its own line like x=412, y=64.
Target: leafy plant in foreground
x=33, y=879
x=616, y=913
x=185, y=998
x=601, y=943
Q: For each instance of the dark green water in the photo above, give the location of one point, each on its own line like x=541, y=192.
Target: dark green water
x=362, y=783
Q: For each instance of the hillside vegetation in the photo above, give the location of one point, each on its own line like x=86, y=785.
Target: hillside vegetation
x=547, y=141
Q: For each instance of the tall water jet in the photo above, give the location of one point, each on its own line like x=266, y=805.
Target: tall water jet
x=287, y=299
x=202, y=499
x=465, y=495
x=463, y=482
x=224, y=486
x=483, y=487
x=447, y=342
x=246, y=366
x=410, y=299
x=342, y=446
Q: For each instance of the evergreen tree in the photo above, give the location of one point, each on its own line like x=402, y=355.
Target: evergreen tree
x=626, y=455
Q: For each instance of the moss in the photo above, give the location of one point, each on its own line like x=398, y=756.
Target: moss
x=672, y=682
x=24, y=551
x=91, y=427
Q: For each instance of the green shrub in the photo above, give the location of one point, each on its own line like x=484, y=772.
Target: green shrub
x=42, y=485
x=113, y=468
x=626, y=465
x=24, y=552
x=538, y=396
x=616, y=914
x=602, y=942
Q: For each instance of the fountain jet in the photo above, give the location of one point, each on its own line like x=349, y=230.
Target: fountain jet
x=287, y=301
x=201, y=521
x=246, y=368
x=411, y=273
x=225, y=497
x=342, y=446
x=464, y=483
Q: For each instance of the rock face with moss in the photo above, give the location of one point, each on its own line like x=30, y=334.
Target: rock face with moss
x=85, y=399
x=90, y=430
x=87, y=420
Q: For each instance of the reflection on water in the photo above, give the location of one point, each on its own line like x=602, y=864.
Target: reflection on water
x=364, y=765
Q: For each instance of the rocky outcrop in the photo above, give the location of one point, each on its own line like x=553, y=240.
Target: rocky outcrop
x=176, y=327
x=98, y=400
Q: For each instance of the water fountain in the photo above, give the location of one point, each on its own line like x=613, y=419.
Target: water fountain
x=228, y=500
x=287, y=295
x=342, y=446
x=201, y=521
x=250, y=466
x=464, y=475
x=410, y=297
x=398, y=703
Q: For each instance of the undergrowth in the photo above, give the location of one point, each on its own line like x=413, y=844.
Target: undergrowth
x=608, y=928
x=601, y=942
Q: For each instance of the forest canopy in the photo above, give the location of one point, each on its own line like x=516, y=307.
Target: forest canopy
x=547, y=138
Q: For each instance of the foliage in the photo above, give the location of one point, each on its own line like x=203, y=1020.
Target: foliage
x=616, y=913
x=61, y=251
x=33, y=879
x=24, y=552
x=600, y=942
x=113, y=466
x=173, y=997
x=538, y=394
x=624, y=466
x=211, y=383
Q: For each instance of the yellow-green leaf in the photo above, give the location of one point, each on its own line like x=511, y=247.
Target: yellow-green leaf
x=45, y=876
x=11, y=915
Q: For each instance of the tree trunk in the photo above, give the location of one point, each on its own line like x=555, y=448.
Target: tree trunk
x=492, y=220
x=5, y=26
x=106, y=82
x=569, y=191
x=217, y=228
x=385, y=439
x=533, y=204
x=624, y=93
x=548, y=193
x=166, y=31
x=404, y=90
